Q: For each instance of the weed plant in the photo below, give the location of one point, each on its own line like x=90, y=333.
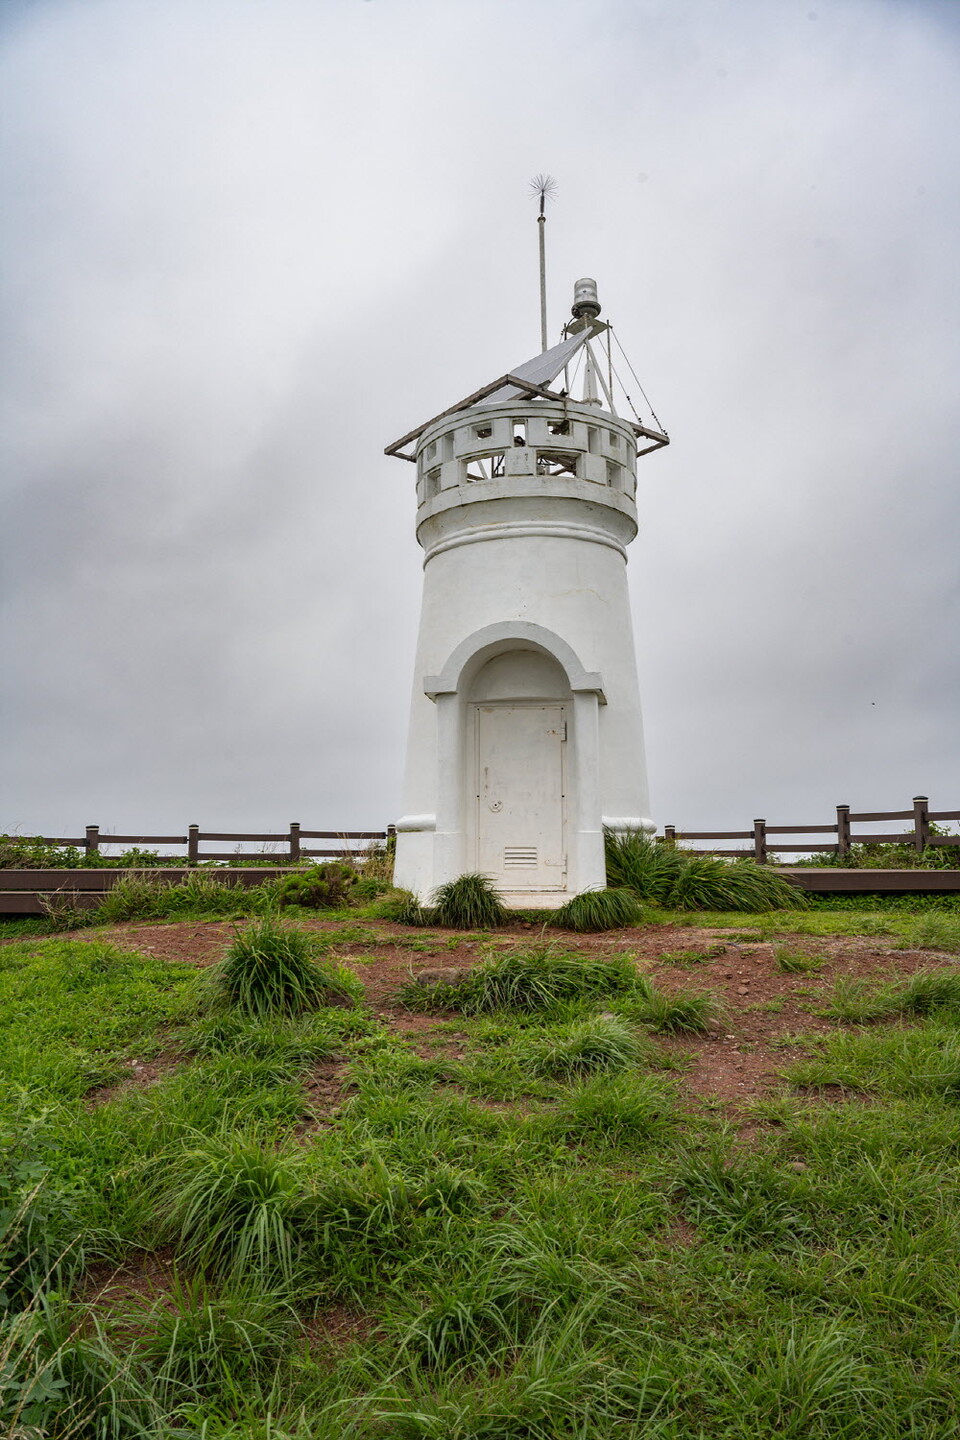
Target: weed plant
x=202, y=894
x=322, y=887
x=62, y=911
x=402, y=907
x=887, y=904
x=64, y=1377
x=597, y=910
x=275, y=969
x=894, y=857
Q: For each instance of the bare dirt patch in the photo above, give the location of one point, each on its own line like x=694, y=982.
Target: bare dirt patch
x=325, y=1090
x=141, y=1074
x=144, y=1277
x=333, y=1329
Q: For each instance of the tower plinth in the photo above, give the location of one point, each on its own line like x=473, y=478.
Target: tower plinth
x=525, y=733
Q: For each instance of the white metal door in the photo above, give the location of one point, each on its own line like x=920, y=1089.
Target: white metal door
x=520, y=785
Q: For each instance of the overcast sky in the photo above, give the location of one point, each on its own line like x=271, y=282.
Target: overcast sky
x=248, y=244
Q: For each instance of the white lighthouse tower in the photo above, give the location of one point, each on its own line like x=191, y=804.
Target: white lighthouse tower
x=526, y=737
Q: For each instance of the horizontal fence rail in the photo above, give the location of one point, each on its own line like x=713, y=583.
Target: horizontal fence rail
x=92, y=841
x=920, y=836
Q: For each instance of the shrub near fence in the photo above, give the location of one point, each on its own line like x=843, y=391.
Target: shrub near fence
x=925, y=840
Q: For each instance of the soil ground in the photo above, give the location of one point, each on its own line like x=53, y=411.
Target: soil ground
x=736, y=1063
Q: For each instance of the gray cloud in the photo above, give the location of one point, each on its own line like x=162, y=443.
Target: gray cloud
x=249, y=246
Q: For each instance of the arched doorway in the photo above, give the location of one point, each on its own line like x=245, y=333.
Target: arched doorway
x=520, y=714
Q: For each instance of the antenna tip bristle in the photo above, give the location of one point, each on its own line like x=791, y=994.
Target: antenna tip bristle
x=543, y=186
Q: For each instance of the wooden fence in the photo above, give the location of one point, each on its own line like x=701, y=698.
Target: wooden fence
x=291, y=841
x=919, y=837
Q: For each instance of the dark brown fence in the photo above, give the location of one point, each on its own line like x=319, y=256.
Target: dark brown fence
x=919, y=837
x=289, y=844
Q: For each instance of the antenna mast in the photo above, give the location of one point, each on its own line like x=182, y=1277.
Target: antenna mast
x=542, y=186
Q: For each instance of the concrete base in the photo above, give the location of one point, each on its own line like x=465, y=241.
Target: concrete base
x=530, y=900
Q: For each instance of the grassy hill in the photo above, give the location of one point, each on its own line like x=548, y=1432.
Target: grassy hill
x=695, y=1179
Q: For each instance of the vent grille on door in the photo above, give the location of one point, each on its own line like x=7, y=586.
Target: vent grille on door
x=520, y=857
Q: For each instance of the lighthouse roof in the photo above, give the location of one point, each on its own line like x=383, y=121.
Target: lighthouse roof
x=531, y=378
x=542, y=369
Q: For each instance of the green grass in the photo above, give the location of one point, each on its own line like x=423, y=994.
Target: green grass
x=927, y=992
x=893, y=916
x=691, y=959
x=669, y=876
x=599, y=1043
x=932, y=932
x=792, y=961
x=529, y=979
x=276, y=969
x=73, y=1013
x=597, y=910
x=675, y=1012
x=468, y=903
x=533, y=1233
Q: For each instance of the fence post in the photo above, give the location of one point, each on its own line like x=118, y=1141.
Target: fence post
x=92, y=841
x=294, y=840
x=921, y=822
x=193, y=844
x=760, y=841
x=669, y=835
x=843, y=831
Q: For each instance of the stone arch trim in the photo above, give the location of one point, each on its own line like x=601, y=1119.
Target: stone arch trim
x=495, y=639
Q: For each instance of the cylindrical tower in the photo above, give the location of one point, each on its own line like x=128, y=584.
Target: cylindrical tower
x=525, y=733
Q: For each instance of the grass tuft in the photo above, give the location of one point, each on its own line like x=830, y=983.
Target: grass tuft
x=198, y=1340
x=671, y=877
x=530, y=981
x=600, y=1043
x=594, y=910
x=274, y=969
x=468, y=903
x=677, y=1012
x=929, y=992
x=231, y=1203
x=933, y=932
x=621, y=1109
x=796, y=962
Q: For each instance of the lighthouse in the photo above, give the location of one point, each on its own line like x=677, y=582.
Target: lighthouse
x=526, y=737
